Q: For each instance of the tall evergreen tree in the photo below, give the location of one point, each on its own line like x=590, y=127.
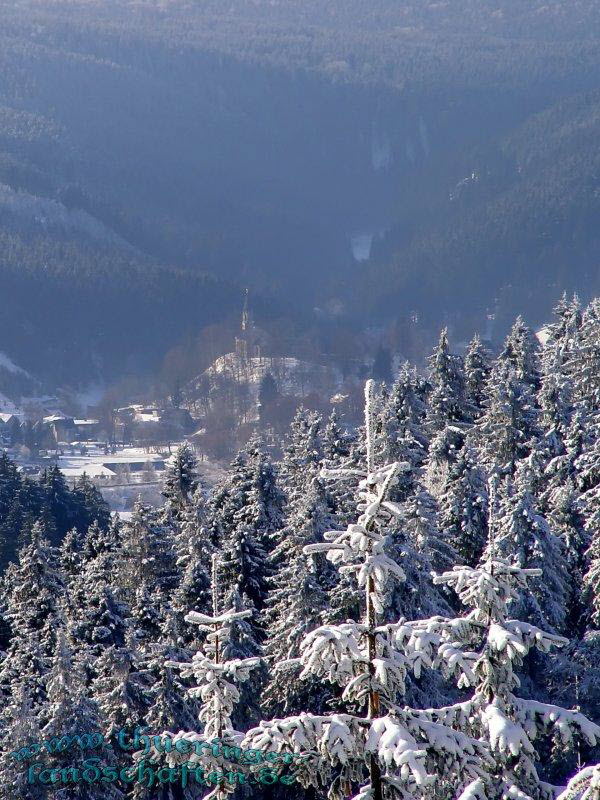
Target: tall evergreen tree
x=562, y=335
x=193, y=592
x=507, y=723
x=93, y=508
x=192, y=534
x=370, y=742
x=244, y=567
x=119, y=689
x=583, y=360
x=217, y=676
x=289, y=617
x=35, y=595
x=69, y=712
x=521, y=535
x=20, y=728
x=181, y=480
x=402, y=423
x=70, y=559
x=335, y=441
x=521, y=355
x=302, y=454
x=447, y=399
x=505, y=432
x=556, y=410
x=477, y=372
x=420, y=518
x=263, y=511
x=147, y=553
x=463, y=508
x=58, y=501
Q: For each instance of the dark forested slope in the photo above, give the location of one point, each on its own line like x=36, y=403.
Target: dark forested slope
x=156, y=157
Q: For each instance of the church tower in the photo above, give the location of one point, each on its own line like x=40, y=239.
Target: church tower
x=246, y=327
x=246, y=322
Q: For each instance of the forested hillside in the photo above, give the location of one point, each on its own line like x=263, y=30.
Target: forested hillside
x=155, y=157
x=409, y=610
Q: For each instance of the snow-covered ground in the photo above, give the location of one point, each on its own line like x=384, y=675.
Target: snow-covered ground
x=123, y=498
x=97, y=464
x=128, y=474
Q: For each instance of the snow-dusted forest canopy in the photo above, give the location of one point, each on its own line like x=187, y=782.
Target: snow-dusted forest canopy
x=413, y=607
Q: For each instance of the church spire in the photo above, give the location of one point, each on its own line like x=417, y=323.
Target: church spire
x=246, y=313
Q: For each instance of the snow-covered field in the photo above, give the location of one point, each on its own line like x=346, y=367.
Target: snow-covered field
x=129, y=474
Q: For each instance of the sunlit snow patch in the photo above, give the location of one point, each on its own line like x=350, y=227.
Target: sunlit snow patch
x=361, y=246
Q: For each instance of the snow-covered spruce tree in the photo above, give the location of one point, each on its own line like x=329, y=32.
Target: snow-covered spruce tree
x=170, y=709
x=147, y=614
x=508, y=723
x=24, y=664
x=264, y=509
x=522, y=536
x=566, y=514
x=34, y=596
x=583, y=361
x=302, y=453
x=444, y=450
x=335, y=442
x=192, y=535
x=228, y=497
x=419, y=517
x=245, y=640
x=97, y=615
x=70, y=560
x=120, y=689
x=383, y=748
x=591, y=581
x=562, y=335
x=250, y=493
x=147, y=553
x=477, y=371
x=97, y=619
x=401, y=433
x=69, y=712
x=290, y=615
x=447, y=399
x=556, y=407
x=463, y=508
x=244, y=567
x=521, y=355
x=577, y=464
x=344, y=602
x=583, y=786
x=193, y=590
x=20, y=728
x=506, y=430
x=215, y=677
x=94, y=508
x=181, y=480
